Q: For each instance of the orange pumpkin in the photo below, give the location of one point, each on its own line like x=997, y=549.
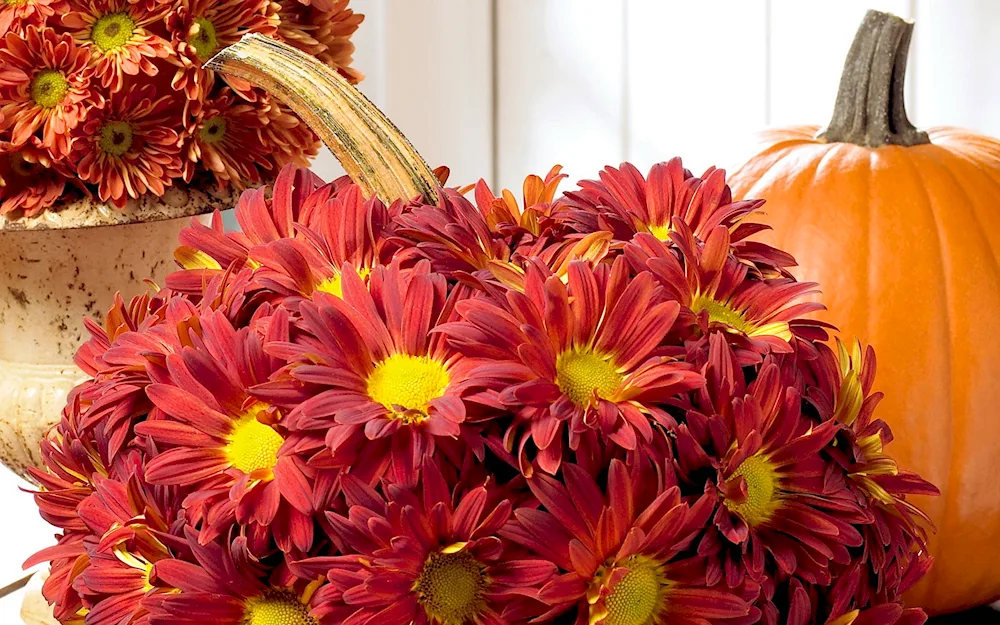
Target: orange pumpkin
x=902, y=229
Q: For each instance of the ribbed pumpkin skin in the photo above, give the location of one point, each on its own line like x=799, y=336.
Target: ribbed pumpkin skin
x=905, y=243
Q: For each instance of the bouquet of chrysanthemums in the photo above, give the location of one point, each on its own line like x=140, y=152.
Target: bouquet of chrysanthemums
x=607, y=406
x=110, y=96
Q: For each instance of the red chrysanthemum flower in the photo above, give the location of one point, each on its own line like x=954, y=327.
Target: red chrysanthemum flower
x=343, y=229
x=776, y=492
x=459, y=236
x=388, y=388
x=131, y=520
x=30, y=180
x=130, y=147
x=425, y=557
x=579, y=358
x=264, y=216
x=726, y=293
x=844, y=393
x=46, y=86
x=623, y=549
x=227, y=585
x=322, y=29
x=625, y=203
x=19, y=14
x=117, y=34
x=200, y=28
x=885, y=614
x=223, y=445
x=223, y=138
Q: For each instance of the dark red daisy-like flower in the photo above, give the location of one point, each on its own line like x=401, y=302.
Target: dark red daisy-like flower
x=344, y=229
x=266, y=214
x=725, y=293
x=425, y=556
x=226, y=585
x=775, y=490
x=46, y=87
x=223, y=445
x=623, y=549
x=130, y=147
x=844, y=393
x=460, y=236
x=131, y=520
x=578, y=358
x=625, y=203
x=388, y=386
x=885, y=614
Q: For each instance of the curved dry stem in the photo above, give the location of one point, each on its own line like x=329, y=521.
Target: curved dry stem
x=371, y=149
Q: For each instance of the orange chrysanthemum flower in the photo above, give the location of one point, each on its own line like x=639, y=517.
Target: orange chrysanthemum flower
x=200, y=28
x=322, y=29
x=116, y=32
x=30, y=181
x=289, y=140
x=223, y=138
x=46, y=86
x=130, y=147
x=18, y=14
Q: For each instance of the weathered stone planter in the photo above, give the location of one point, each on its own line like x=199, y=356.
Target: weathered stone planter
x=59, y=268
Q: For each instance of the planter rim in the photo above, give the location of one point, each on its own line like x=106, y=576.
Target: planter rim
x=86, y=212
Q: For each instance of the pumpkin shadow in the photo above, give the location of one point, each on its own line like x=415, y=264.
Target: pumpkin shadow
x=984, y=615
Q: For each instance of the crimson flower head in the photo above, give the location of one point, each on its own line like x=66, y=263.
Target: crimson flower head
x=578, y=363
x=426, y=555
x=609, y=406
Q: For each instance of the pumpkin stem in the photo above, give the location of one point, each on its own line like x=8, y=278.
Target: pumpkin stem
x=377, y=157
x=870, y=110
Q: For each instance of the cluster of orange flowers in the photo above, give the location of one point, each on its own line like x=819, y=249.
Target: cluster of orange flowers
x=111, y=97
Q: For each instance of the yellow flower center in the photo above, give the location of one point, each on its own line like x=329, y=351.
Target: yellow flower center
x=639, y=597
x=408, y=382
x=580, y=374
x=719, y=312
x=116, y=138
x=48, y=88
x=213, y=130
x=762, y=499
x=253, y=445
x=15, y=3
x=276, y=607
x=202, y=38
x=335, y=284
x=661, y=232
x=112, y=31
x=451, y=587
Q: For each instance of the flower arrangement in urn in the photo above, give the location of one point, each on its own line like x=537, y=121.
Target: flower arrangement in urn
x=603, y=406
x=110, y=97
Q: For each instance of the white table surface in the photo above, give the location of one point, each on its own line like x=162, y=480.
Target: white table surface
x=22, y=533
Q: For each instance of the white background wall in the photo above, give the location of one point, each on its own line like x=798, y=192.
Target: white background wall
x=502, y=88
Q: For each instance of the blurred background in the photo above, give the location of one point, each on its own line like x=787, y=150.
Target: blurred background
x=498, y=89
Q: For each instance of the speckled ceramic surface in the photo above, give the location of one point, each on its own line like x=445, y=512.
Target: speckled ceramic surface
x=54, y=272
